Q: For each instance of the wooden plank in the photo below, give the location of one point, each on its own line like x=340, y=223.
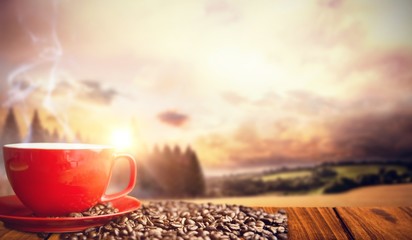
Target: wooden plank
x=54, y=236
x=313, y=223
x=10, y=234
x=378, y=222
x=3, y=230
x=16, y=235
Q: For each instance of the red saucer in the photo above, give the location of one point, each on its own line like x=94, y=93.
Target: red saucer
x=15, y=215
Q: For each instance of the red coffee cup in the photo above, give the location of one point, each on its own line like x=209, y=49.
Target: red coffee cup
x=55, y=179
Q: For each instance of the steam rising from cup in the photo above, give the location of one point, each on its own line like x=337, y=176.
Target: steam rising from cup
x=25, y=80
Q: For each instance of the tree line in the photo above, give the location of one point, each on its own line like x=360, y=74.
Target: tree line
x=36, y=132
x=170, y=173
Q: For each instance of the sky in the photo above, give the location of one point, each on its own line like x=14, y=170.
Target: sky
x=245, y=83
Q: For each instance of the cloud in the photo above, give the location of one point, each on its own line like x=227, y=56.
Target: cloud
x=393, y=67
x=331, y=3
x=93, y=91
x=222, y=10
x=173, y=118
x=306, y=102
x=251, y=144
x=384, y=136
x=233, y=98
x=84, y=90
x=364, y=135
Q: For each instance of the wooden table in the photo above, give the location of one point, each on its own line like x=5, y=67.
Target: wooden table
x=320, y=223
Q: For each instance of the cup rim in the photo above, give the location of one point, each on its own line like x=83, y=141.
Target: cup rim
x=58, y=146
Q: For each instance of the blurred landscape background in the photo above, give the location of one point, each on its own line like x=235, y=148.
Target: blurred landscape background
x=251, y=102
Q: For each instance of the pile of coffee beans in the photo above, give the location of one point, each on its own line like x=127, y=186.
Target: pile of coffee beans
x=98, y=209
x=184, y=220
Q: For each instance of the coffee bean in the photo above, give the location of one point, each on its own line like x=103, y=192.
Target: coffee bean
x=92, y=235
x=108, y=227
x=43, y=235
x=76, y=215
x=211, y=227
x=129, y=228
x=176, y=225
x=282, y=236
x=123, y=219
x=116, y=231
x=251, y=224
x=267, y=220
x=224, y=237
x=99, y=209
x=192, y=227
x=189, y=222
x=182, y=220
x=273, y=229
x=260, y=223
x=234, y=226
x=124, y=232
x=267, y=233
x=282, y=211
x=259, y=229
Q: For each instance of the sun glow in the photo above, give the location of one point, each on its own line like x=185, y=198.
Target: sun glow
x=122, y=138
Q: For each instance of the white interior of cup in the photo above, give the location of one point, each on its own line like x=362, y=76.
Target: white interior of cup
x=56, y=146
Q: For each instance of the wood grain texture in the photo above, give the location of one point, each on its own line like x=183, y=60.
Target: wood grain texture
x=10, y=234
x=3, y=230
x=378, y=223
x=313, y=223
x=54, y=237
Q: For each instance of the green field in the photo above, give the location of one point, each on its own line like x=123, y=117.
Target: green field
x=354, y=171
x=314, y=180
x=350, y=171
x=287, y=175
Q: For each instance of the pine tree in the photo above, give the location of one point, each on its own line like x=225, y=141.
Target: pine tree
x=152, y=173
x=167, y=152
x=178, y=171
x=10, y=133
x=36, y=131
x=194, y=175
x=47, y=135
x=176, y=152
x=172, y=173
x=167, y=169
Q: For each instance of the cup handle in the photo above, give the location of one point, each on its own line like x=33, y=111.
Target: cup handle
x=132, y=180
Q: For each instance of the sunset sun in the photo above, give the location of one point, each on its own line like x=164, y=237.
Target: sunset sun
x=122, y=139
